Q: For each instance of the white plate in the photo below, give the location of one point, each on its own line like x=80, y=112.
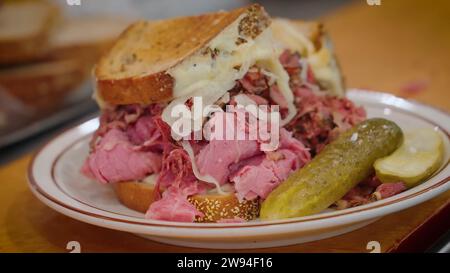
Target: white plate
x=55, y=179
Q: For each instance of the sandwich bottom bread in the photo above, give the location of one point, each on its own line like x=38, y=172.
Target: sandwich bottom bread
x=214, y=207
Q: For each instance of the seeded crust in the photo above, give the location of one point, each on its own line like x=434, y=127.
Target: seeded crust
x=138, y=196
x=216, y=207
x=135, y=68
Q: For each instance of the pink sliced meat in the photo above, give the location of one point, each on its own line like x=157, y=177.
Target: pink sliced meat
x=252, y=161
x=291, y=63
x=220, y=158
x=258, y=99
x=176, y=169
x=345, y=113
x=115, y=159
x=124, y=116
x=287, y=141
x=259, y=180
x=216, y=157
x=320, y=119
x=386, y=190
x=368, y=191
x=143, y=131
x=259, y=175
x=174, y=206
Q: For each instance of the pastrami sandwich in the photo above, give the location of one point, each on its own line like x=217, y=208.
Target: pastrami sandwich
x=241, y=57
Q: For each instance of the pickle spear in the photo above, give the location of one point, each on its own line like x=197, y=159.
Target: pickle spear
x=334, y=171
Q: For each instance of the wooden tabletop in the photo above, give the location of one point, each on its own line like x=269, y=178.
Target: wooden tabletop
x=400, y=47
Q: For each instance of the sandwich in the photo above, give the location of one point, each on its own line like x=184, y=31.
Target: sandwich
x=225, y=60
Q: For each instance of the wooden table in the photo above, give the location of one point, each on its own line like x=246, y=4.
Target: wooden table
x=402, y=46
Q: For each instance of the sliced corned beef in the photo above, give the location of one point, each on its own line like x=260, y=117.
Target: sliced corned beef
x=386, y=190
x=176, y=169
x=254, y=81
x=115, y=159
x=320, y=119
x=287, y=141
x=258, y=99
x=174, y=205
x=258, y=176
x=369, y=190
x=252, y=181
x=144, y=130
x=291, y=63
x=217, y=156
x=252, y=161
x=121, y=117
x=345, y=113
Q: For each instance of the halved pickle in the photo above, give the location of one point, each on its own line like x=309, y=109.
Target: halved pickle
x=420, y=155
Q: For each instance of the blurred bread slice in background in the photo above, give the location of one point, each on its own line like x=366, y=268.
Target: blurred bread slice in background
x=72, y=48
x=85, y=37
x=46, y=57
x=25, y=27
x=43, y=84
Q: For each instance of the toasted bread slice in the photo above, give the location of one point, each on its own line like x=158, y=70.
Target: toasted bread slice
x=139, y=196
x=43, y=84
x=74, y=46
x=135, y=69
x=24, y=30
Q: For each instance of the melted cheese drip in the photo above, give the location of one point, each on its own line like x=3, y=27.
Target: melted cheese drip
x=321, y=61
x=326, y=70
x=211, y=77
x=292, y=38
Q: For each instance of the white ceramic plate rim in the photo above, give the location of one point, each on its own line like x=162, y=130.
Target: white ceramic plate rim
x=404, y=200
